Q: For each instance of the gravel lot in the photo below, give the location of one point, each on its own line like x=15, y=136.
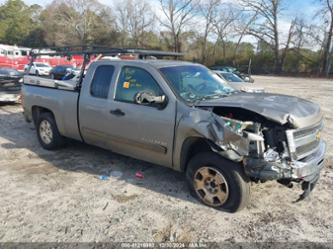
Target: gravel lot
x=57, y=196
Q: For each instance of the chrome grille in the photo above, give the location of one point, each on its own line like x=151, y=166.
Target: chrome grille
x=306, y=148
x=304, y=142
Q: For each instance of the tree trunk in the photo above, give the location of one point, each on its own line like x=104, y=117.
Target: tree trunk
x=175, y=43
x=327, y=50
x=277, y=61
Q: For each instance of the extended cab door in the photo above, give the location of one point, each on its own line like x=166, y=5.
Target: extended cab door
x=115, y=121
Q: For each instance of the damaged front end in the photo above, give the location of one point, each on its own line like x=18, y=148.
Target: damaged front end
x=268, y=151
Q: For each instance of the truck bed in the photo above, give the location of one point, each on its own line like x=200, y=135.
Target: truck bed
x=57, y=96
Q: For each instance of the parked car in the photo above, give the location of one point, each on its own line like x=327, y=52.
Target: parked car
x=10, y=84
x=230, y=77
x=181, y=115
x=227, y=69
x=60, y=71
x=238, y=83
x=38, y=68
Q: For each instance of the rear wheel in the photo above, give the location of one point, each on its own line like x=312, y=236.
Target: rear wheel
x=217, y=182
x=48, y=133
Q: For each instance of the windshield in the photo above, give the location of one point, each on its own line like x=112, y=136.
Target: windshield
x=196, y=82
x=231, y=77
x=9, y=71
x=14, y=72
x=41, y=65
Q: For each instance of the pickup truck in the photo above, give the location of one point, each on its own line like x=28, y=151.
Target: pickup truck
x=182, y=115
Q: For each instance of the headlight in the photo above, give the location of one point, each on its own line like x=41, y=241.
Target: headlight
x=236, y=125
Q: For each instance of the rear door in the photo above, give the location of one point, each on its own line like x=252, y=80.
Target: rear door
x=116, y=122
x=95, y=103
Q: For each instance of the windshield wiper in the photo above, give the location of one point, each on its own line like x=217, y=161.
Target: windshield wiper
x=218, y=95
x=207, y=97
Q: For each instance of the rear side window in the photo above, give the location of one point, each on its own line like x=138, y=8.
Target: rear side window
x=101, y=82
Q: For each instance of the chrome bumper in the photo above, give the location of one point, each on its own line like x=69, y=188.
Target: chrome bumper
x=9, y=97
x=309, y=168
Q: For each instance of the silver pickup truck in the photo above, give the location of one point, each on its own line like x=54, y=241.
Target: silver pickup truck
x=181, y=115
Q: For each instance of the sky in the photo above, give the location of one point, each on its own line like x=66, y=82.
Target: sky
x=301, y=8
x=305, y=9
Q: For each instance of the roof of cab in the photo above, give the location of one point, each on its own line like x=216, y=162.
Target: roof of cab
x=168, y=63
x=154, y=63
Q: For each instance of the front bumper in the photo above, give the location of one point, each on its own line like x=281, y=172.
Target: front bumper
x=305, y=171
x=9, y=97
x=44, y=73
x=308, y=168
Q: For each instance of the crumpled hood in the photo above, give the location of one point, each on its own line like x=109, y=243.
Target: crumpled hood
x=282, y=109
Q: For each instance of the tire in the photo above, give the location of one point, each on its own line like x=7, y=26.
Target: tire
x=48, y=133
x=230, y=190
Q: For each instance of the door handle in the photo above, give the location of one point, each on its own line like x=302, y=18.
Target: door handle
x=117, y=112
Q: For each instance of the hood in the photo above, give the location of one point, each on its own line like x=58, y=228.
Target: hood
x=246, y=87
x=44, y=68
x=282, y=109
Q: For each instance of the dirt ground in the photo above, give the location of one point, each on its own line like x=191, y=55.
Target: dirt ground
x=57, y=196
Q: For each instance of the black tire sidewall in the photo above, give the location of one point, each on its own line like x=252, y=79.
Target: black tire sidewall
x=238, y=182
x=57, y=139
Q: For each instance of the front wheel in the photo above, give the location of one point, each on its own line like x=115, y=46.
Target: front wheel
x=217, y=182
x=48, y=133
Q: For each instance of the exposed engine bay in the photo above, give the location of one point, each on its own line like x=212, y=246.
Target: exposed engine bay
x=267, y=140
x=262, y=146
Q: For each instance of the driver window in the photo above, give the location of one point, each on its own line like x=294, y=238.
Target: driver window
x=133, y=80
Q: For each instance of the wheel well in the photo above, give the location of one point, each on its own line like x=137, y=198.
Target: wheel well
x=190, y=148
x=37, y=111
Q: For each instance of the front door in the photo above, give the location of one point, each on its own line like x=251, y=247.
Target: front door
x=141, y=131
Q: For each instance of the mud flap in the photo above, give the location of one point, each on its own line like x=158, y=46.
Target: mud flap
x=307, y=187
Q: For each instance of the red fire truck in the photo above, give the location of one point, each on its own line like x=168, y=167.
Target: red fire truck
x=17, y=57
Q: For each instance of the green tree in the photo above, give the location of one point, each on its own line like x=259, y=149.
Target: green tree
x=75, y=22
x=16, y=21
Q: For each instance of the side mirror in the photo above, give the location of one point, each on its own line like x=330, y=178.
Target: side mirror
x=146, y=97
